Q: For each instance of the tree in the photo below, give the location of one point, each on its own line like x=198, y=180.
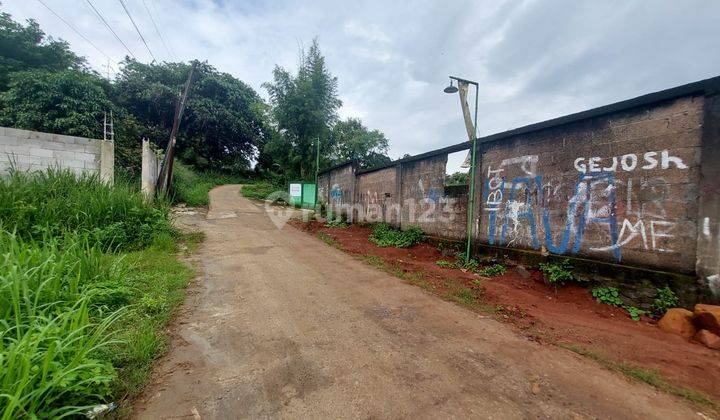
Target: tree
x=26, y=47
x=304, y=108
x=223, y=124
x=65, y=102
x=351, y=140
x=457, y=178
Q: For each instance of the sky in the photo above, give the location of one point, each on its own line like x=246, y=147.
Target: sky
x=533, y=59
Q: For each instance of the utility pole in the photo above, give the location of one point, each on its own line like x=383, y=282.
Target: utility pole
x=317, y=167
x=165, y=179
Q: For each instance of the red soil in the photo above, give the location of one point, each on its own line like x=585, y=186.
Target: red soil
x=569, y=315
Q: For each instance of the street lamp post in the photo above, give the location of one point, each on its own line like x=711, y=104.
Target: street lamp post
x=471, y=198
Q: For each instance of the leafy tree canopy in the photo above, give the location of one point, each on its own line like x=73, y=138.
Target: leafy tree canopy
x=351, y=140
x=304, y=108
x=26, y=48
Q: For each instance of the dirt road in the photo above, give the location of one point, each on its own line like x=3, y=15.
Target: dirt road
x=282, y=325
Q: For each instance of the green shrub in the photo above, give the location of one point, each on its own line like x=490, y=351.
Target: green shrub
x=493, y=270
x=383, y=235
x=607, y=295
x=557, y=274
x=664, y=300
x=336, y=223
x=611, y=296
x=445, y=264
x=635, y=312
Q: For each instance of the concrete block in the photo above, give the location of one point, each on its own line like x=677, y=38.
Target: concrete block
x=39, y=152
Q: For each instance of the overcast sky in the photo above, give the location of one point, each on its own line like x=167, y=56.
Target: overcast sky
x=534, y=59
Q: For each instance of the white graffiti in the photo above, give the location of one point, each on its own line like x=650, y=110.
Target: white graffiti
x=628, y=162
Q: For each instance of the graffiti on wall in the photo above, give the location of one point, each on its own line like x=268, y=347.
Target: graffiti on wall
x=520, y=209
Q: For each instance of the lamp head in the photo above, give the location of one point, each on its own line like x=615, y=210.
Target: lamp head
x=451, y=88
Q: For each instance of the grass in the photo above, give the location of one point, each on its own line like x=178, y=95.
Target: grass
x=260, y=190
x=192, y=188
x=650, y=377
x=47, y=204
x=328, y=239
x=88, y=279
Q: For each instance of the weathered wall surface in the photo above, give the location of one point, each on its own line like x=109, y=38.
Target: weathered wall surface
x=150, y=170
x=32, y=151
x=708, y=219
x=376, y=193
x=341, y=185
x=620, y=188
x=425, y=203
x=323, y=188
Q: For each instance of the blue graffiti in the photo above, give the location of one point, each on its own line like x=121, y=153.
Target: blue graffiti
x=581, y=199
x=433, y=195
x=336, y=192
x=586, y=217
x=493, y=208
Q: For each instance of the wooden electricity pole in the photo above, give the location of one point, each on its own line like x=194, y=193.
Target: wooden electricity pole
x=165, y=179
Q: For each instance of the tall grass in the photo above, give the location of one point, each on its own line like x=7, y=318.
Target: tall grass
x=79, y=319
x=56, y=201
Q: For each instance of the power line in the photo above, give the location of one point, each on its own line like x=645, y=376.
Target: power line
x=157, y=30
x=169, y=44
x=75, y=29
x=102, y=19
x=122, y=3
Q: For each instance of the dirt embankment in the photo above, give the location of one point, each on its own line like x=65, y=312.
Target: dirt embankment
x=568, y=316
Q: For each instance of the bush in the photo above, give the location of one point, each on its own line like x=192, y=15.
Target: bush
x=607, y=295
x=383, y=235
x=192, y=187
x=611, y=296
x=664, y=300
x=493, y=270
x=557, y=274
x=49, y=204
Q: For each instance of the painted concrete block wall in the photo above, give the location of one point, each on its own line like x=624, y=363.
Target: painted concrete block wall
x=377, y=195
x=620, y=188
x=32, y=151
x=342, y=189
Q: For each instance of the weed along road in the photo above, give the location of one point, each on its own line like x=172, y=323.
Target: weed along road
x=279, y=324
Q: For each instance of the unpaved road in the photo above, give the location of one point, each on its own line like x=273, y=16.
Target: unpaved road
x=281, y=325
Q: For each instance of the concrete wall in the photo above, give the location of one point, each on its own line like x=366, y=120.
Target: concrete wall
x=620, y=188
x=150, y=170
x=31, y=151
x=635, y=185
x=708, y=218
x=341, y=190
x=377, y=194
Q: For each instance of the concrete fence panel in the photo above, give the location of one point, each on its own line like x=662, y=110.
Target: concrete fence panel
x=32, y=151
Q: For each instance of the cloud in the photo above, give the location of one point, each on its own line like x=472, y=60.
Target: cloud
x=533, y=59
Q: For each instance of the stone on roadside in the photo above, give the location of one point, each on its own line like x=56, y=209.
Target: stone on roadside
x=522, y=271
x=678, y=321
x=708, y=339
x=707, y=317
